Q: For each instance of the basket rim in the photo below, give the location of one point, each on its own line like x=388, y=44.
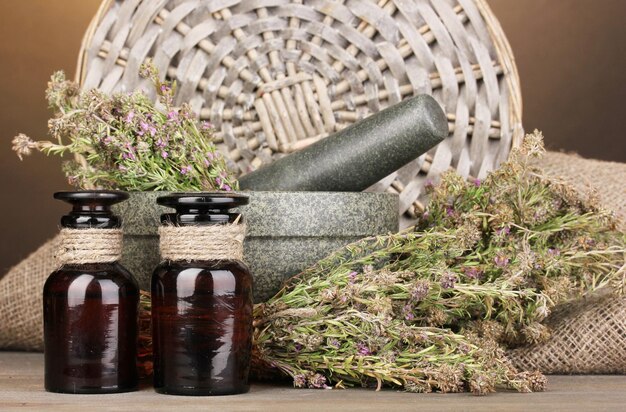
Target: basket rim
x=500, y=42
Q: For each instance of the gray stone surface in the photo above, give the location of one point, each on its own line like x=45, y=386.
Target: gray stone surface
x=140, y=213
x=358, y=156
x=287, y=231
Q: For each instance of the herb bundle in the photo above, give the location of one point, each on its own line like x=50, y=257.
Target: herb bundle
x=125, y=141
x=434, y=308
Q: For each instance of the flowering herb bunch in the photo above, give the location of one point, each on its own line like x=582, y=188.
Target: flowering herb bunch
x=434, y=309
x=125, y=141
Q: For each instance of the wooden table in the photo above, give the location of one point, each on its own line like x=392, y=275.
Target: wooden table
x=21, y=388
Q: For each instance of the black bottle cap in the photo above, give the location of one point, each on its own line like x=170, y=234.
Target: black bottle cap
x=91, y=208
x=200, y=208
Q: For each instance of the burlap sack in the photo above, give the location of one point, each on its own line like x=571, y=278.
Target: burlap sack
x=21, y=306
x=587, y=337
x=607, y=178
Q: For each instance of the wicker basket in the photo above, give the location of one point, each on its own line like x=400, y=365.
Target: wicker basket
x=273, y=76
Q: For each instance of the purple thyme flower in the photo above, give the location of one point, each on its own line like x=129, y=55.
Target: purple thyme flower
x=352, y=277
x=477, y=182
x=129, y=117
x=363, y=349
x=298, y=347
x=164, y=154
x=318, y=381
x=206, y=125
x=227, y=188
x=108, y=140
x=554, y=252
x=130, y=155
x=172, y=115
x=143, y=127
x=408, y=312
x=218, y=181
x=334, y=343
x=450, y=211
x=185, y=169
x=503, y=231
x=448, y=280
x=473, y=272
x=501, y=261
x=419, y=290
x=210, y=155
x=299, y=381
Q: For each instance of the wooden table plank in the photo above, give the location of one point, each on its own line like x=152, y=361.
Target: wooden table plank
x=21, y=388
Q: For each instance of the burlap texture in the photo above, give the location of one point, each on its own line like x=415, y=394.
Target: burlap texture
x=587, y=337
x=21, y=293
x=607, y=178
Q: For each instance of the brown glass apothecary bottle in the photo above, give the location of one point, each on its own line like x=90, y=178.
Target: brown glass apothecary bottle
x=90, y=308
x=201, y=308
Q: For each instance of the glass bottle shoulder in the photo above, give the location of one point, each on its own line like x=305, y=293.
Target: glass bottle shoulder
x=94, y=277
x=208, y=266
x=226, y=275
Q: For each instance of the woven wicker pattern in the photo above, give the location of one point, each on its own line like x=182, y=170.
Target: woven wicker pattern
x=273, y=76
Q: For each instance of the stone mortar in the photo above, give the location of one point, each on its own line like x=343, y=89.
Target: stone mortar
x=287, y=231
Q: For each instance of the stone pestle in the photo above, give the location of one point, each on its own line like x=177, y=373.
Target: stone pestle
x=358, y=156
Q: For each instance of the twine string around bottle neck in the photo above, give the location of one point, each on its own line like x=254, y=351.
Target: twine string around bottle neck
x=79, y=246
x=197, y=243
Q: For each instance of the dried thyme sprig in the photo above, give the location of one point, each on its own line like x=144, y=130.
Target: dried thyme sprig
x=492, y=260
x=368, y=349
x=127, y=142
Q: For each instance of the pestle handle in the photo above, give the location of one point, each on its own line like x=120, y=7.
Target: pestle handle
x=358, y=156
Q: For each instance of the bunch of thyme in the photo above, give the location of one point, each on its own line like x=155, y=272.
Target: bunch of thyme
x=434, y=308
x=125, y=141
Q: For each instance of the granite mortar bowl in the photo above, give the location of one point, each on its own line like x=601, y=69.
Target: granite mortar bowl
x=286, y=231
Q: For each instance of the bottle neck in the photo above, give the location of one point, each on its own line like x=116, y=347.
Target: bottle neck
x=198, y=217
x=91, y=209
x=92, y=220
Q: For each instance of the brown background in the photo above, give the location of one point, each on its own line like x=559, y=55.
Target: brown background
x=571, y=56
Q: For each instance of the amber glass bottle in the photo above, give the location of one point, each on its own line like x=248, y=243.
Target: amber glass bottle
x=90, y=311
x=201, y=310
